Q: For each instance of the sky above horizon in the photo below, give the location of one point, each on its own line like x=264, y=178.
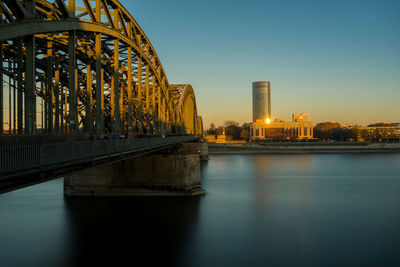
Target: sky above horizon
x=336, y=60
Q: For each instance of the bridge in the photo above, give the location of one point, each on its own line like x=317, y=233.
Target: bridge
x=81, y=85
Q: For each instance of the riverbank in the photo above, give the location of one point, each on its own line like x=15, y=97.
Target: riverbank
x=299, y=148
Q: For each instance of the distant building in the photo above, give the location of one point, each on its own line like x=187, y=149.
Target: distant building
x=379, y=134
x=341, y=134
x=299, y=128
x=367, y=133
x=263, y=128
x=261, y=100
x=300, y=117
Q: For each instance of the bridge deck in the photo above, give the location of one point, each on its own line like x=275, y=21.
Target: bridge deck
x=19, y=161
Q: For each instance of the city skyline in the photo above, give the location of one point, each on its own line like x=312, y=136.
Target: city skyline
x=336, y=61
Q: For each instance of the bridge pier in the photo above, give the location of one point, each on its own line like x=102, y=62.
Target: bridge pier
x=201, y=148
x=166, y=174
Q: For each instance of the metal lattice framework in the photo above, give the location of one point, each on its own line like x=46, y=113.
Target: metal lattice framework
x=85, y=66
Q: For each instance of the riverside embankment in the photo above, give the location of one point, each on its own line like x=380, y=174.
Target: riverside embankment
x=288, y=148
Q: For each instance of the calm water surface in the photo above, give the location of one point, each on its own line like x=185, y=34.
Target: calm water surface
x=262, y=210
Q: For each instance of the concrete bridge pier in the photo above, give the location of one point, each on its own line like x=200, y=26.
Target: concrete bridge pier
x=201, y=148
x=170, y=173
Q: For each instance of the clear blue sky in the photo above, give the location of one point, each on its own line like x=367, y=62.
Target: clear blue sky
x=338, y=60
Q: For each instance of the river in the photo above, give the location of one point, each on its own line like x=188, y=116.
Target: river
x=259, y=210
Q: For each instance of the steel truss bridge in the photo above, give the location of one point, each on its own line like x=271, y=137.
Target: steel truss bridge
x=85, y=66
x=73, y=68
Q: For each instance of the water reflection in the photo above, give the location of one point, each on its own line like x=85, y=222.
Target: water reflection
x=153, y=231
x=203, y=168
x=259, y=210
x=283, y=165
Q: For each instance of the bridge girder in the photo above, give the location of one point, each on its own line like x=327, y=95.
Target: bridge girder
x=186, y=110
x=84, y=66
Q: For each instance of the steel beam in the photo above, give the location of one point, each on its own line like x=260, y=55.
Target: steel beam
x=130, y=89
x=49, y=87
x=30, y=7
x=71, y=7
x=90, y=10
x=63, y=9
x=162, y=113
x=41, y=112
x=107, y=12
x=18, y=9
x=20, y=77
x=154, y=106
x=89, y=103
x=9, y=97
x=5, y=12
x=73, y=117
x=99, y=87
x=159, y=109
x=102, y=94
x=1, y=90
x=62, y=109
x=76, y=97
x=115, y=112
x=30, y=86
x=14, y=100
x=66, y=129
x=147, y=109
x=57, y=96
x=44, y=106
x=140, y=116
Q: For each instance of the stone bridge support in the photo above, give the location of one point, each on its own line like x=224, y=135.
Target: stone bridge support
x=201, y=148
x=169, y=173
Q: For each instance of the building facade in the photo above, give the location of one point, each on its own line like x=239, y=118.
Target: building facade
x=261, y=100
x=367, y=133
x=299, y=128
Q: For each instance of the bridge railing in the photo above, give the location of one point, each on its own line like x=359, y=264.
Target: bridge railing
x=18, y=159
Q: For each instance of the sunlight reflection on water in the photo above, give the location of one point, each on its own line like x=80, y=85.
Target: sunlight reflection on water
x=287, y=210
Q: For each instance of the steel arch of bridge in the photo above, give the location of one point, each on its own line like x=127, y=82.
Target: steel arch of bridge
x=85, y=65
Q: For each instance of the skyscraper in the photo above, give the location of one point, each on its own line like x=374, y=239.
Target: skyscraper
x=261, y=100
